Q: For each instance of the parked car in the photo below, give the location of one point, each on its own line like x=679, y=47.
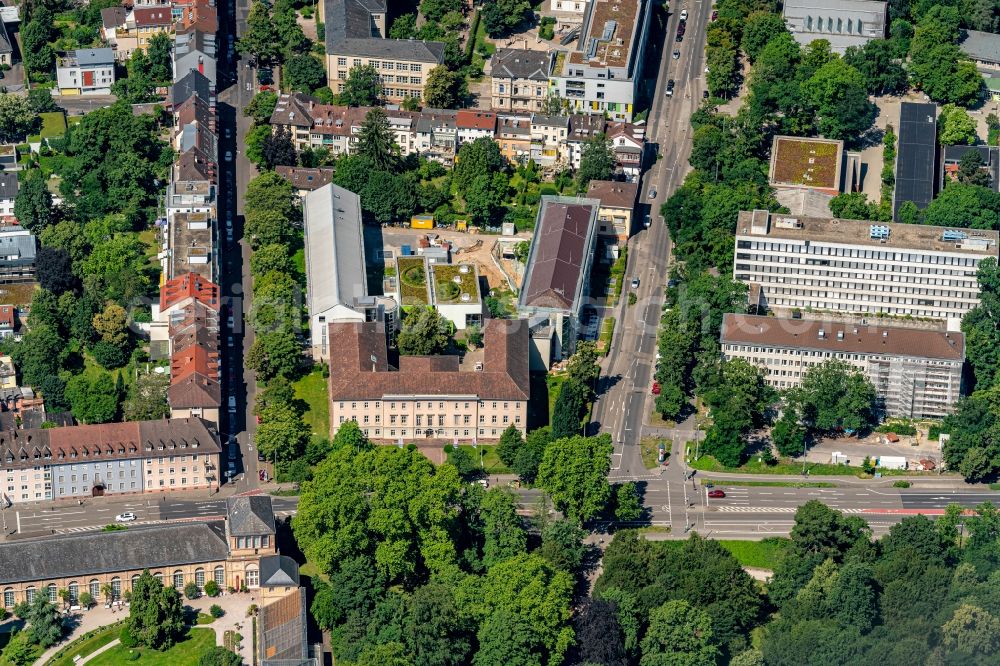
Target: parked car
x=231, y=322
x=704, y=94
x=646, y=222
x=715, y=15
x=635, y=283
x=126, y=517
x=684, y=15
x=229, y=156
x=716, y=494
x=675, y=55
x=232, y=404
x=652, y=193
x=670, y=88
x=656, y=388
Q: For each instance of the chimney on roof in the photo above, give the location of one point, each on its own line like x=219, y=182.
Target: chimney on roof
x=822, y=334
x=840, y=335
x=885, y=334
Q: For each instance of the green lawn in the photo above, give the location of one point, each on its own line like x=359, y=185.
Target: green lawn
x=650, y=451
x=759, y=554
x=185, y=653
x=785, y=466
x=313, y=390
x=775, y=484
x=554, y=382
x=85, y=646
x=491, y=463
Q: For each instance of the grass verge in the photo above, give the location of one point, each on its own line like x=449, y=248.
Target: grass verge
x=764, y=554
x=785, y=466
x=649, y=449
x=775, y=484
x=84, y=645
x=312, y=390
x=491, y=462
x=185, y=653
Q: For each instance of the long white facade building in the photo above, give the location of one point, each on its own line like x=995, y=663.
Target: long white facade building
x=917, y=373
x=856, y=267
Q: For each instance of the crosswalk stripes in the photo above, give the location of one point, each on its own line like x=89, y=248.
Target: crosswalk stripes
x=765, y=509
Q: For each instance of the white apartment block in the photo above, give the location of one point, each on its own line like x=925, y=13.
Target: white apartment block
x=917, y=373
x=604, y=72
x=857, y=267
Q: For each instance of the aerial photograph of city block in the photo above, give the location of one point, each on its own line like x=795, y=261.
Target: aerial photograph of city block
x=499, y=332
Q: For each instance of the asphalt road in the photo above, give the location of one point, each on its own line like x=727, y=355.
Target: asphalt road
x=620, y=407
x=95, y=514
x=237, y=87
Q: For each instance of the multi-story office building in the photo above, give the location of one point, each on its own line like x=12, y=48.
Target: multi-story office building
x=855, y=267
x=429, y=397
x=603, y=74
x=917, y=373
x=108, y=459
x=842, y=23
x=356, y=35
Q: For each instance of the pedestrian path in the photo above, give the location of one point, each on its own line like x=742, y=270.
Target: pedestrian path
x=103, y=648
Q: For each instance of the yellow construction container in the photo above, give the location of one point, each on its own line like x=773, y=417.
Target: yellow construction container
x=422, y=222
x=461, y=225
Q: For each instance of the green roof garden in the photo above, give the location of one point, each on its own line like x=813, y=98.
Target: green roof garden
x=452, y=280
x=411, y=275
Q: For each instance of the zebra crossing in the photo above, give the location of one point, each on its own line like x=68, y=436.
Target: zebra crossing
x=768, y=509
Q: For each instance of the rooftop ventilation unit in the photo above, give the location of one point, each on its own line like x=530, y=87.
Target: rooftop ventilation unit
x=953, y=235
x=878, y=231
x=592, y=48
x=609, y=30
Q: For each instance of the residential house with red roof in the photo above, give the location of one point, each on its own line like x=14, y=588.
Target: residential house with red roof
x=130, y=30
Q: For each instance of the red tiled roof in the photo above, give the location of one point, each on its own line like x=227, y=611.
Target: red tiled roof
x=147, y=17
x=194, y=359
x=194, y=391
x=474, y=119
x=189, y=286
x=7, y=316
x=504, y=375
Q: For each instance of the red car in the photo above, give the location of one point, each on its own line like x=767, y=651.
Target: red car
x=716, y=494
x=715, y=15
x=656, y=388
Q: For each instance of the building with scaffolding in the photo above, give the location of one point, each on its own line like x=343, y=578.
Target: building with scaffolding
x=917, y=373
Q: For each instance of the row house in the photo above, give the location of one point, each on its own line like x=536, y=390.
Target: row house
x=108, y=459
x=628, y=144
x=195, y=51
x=127, y=31
x=474, y=124
x=190, y=312
x=514, y=138
x=548, y=139
x=438, y=134
x=188, y=319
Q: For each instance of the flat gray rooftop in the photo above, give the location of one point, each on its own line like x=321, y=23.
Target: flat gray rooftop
x=858, y=232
